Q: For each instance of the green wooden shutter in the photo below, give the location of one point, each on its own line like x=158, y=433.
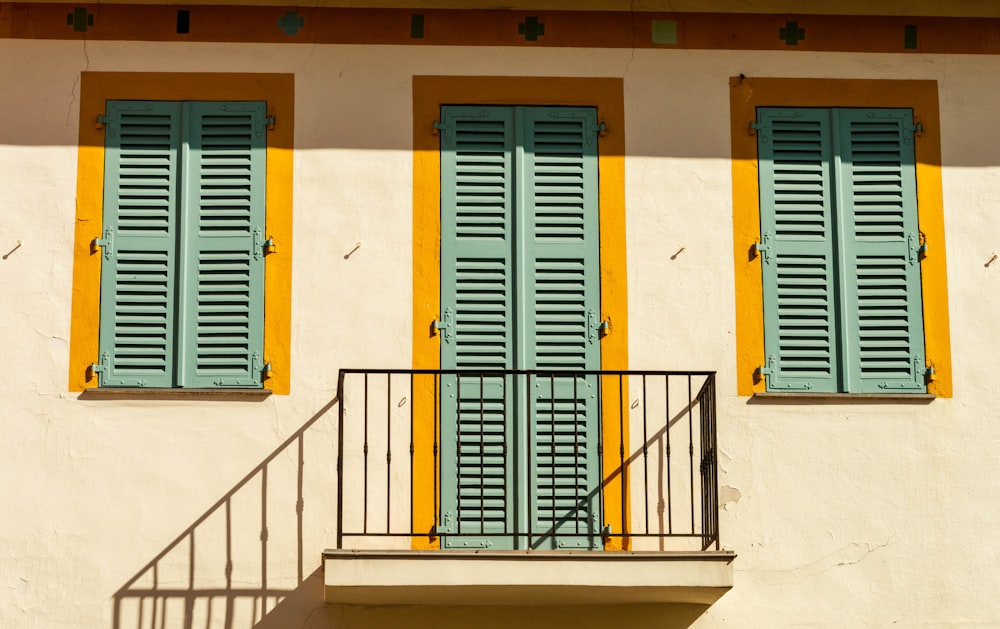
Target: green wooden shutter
x=560, y=258
x=477, y=195
x=221, y=283
x=138, y=258
x=797, y=257
x=883, y=318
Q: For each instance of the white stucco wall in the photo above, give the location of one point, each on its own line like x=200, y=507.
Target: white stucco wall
x=858, y=514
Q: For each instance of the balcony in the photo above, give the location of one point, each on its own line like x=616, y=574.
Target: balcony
x=526, y=487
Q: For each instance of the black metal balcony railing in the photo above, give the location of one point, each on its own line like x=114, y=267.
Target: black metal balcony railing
x=527, y=459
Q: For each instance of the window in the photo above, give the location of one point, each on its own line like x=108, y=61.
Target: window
x=840, y=250
x=182, y=274
x=520, y=289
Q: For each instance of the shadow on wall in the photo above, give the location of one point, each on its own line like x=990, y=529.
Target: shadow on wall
x=299, y=610
x=250, y=561
x=243, y=562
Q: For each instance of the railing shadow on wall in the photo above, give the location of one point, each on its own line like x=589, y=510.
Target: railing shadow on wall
x=206, y=578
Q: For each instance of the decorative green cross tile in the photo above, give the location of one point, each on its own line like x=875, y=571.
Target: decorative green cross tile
x=79, y=19
x=664, y=31
x=291, y=22
x=792, y=34
x=531, y=29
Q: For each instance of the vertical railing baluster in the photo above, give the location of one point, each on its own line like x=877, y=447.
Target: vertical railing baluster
x=482, y=453
x=527, y=441
x=364, y=528
x=438, y=400
x=713, y=419
x=690, y=450
x=412, y=484
x=388, y=452
x=340, y=461
x=458, y=452
x=670, y=507
x=645, y=454
x=600, y=456
x=507, y=476
x=554, y=516
x=621, y=452
x=576, y=455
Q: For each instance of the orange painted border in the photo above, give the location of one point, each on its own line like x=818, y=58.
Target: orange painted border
x=746, y=94
x=590, y=29
x=278, y=90
x=429, y=94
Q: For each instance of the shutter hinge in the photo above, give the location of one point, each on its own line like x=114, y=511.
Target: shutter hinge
x=604, y=328
x=258, y=243
x=916, y=129
x=761, y=248
x=269, y=123
x=767, y=368
x=929, y=374
x=447, y=524
x=439, y=126
x=444, y=325
x=269, y=246
x=101, y=121
x=755, y=127
x=592, y=326
x=599, y=129
x=106, y=243
x=914, y=246
x=99, y=369
x=265, y=371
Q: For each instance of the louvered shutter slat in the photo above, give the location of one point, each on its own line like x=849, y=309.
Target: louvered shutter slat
x=882, y=302
x=137, y=274
x=560, y=258
x=223, y=267
x=794, y=151
x=477, y=189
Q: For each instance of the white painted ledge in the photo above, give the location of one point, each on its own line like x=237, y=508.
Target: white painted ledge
x=361, y=577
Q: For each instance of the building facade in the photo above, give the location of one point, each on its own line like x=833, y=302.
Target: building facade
x=443, y=314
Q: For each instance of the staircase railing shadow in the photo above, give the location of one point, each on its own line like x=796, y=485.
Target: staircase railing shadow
x=206, y=576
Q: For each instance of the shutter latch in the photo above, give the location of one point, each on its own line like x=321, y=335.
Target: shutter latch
x=105, y=242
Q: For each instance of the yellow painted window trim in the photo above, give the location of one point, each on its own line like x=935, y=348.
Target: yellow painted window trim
x=746, y=94
x=96, y=88
x=429, y=93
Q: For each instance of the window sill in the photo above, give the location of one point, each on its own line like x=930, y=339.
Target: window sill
x=139, y=393
x=841, y=398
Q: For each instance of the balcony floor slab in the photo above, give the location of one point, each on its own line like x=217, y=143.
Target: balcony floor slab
x=364, y=577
